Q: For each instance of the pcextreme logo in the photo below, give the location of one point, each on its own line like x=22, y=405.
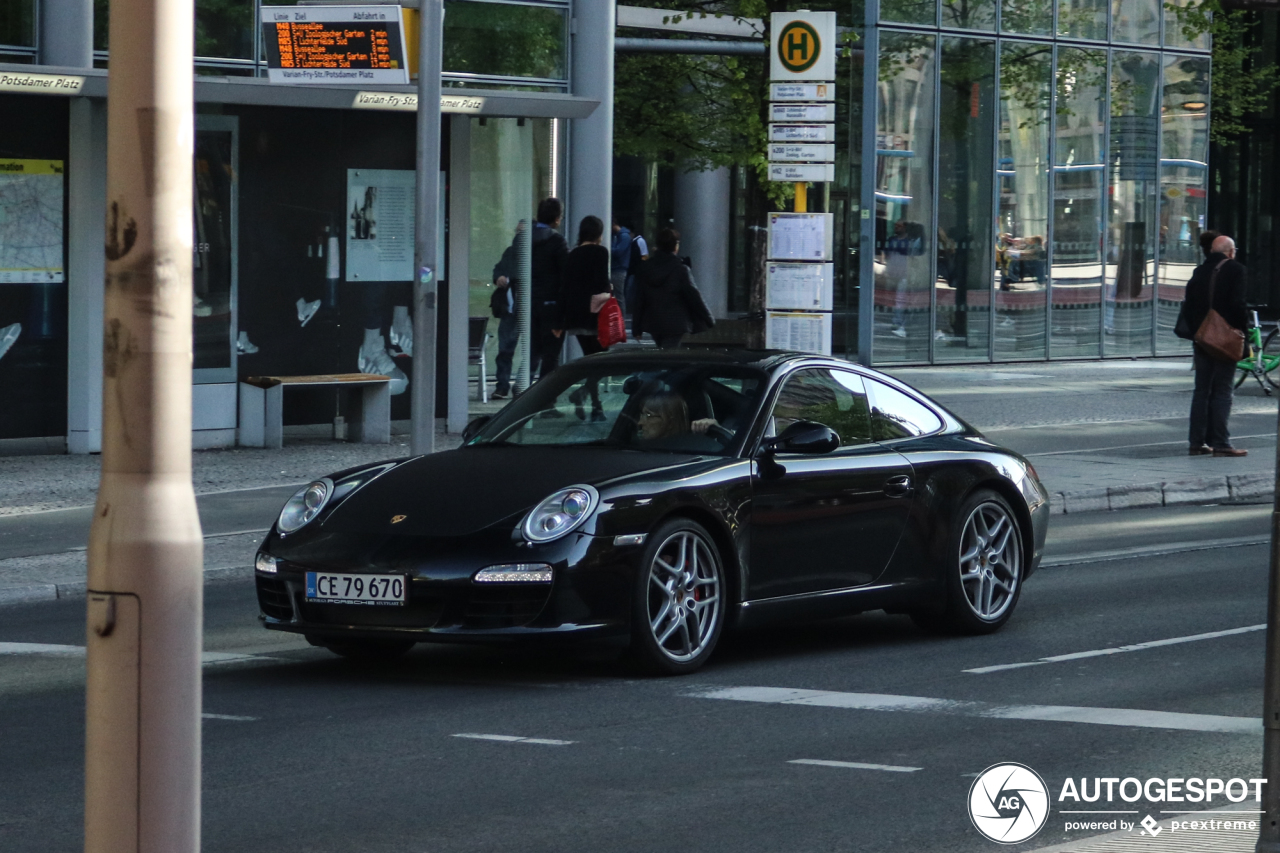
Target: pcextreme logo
x=1008, y=803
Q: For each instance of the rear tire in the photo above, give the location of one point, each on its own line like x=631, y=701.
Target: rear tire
x=678, y=600
x=984, y=570
x=369, y=650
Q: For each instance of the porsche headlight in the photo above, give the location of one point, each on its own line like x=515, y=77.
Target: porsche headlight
x=304, y=506
x=560, y=514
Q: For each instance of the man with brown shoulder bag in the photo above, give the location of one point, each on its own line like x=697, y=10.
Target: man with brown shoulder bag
x=1215, y=309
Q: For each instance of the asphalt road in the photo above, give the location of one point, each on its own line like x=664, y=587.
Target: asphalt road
x=313, y=753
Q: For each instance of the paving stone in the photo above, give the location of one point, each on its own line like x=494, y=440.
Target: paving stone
x=1136, y=496
x=1201, y=490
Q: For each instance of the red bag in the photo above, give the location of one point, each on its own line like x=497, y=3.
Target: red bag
x=610, y=327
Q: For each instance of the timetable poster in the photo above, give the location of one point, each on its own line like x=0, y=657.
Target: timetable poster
x=805, y=287
x=380, y=217
x=800, y=236
x=800, y=331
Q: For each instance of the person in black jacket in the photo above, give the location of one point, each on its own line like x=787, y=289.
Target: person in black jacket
x=668, y=304
x=548, y=252
x=586, y=274
x=1211, y=402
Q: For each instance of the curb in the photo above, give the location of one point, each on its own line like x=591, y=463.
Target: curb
x=1234, y=487
x=33, y=592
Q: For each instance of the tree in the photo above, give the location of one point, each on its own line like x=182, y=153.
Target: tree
x=1241, y=85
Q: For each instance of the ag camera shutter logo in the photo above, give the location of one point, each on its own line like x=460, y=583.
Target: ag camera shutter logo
x=1008, y=803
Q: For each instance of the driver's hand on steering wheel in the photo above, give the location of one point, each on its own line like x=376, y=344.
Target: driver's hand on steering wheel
x=701, y=425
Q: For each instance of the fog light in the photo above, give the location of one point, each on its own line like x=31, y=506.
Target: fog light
x=265, y=563
x=515, y=573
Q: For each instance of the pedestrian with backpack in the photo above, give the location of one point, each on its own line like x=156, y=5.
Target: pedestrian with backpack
x=668, y=304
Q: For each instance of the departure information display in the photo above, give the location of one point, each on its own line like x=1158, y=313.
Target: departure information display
x=334, y=44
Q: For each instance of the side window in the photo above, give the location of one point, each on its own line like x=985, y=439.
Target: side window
x=834, y=398
x=895, y=415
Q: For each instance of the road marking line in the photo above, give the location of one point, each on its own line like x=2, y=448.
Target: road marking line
x=1094, y=811
x=1039, y=713
x=516, y=739
x=232, y=717
x=855, y=765
x=1152, y=551
x=39, y=649
x=1130, y=446
x=1136, y=647
x=206, y=658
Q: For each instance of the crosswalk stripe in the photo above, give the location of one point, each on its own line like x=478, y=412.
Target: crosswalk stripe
x=1040, y=713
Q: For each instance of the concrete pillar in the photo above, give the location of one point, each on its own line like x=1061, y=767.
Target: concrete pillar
x=459, y=273
x=591, y=139
x=86, y=259
x=66, y=33
x=702, y=218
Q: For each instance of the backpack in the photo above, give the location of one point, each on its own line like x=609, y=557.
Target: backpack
x=633, y=261
x=610, y=327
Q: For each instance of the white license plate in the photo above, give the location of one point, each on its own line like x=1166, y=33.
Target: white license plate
x=355, y=589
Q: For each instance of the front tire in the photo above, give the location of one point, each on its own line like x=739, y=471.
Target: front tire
x=985, y=567
x=679, y=599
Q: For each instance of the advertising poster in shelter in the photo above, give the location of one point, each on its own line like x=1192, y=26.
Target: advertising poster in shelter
x=379, y=213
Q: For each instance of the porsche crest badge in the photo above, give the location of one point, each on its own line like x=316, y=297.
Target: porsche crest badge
x=396, y=519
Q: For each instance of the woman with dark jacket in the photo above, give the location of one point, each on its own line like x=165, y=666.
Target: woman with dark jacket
x=668, y=304
x=586, y=274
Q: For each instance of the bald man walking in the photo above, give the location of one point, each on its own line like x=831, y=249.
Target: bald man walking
x=1211, y=402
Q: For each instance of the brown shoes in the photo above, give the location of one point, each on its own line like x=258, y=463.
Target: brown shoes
x=1199, y=450
x=1229, y=451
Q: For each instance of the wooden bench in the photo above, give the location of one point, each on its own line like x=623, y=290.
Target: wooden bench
x=262, y=407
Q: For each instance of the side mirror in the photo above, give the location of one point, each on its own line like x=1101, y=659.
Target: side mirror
x=804, y=437
x=470, y=430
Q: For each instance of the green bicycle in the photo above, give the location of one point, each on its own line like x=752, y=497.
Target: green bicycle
x=1262, y=359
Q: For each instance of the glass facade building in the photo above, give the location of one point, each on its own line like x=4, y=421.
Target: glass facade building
x=1034, y=179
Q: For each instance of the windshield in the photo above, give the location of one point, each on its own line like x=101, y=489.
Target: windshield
x=694, y=408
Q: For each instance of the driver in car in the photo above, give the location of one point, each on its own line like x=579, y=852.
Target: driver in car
x=667, y=416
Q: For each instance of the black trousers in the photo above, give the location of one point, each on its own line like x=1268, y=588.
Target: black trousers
x=1211, y=401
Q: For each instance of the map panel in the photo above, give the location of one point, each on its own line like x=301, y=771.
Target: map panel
x=31, y=223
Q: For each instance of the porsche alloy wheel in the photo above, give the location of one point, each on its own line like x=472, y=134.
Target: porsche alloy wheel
x=680, y=609
x=989, y=562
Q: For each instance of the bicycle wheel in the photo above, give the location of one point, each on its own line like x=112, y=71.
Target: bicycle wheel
x=1271, y=358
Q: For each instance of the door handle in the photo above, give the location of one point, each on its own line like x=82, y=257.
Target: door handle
x=897, y=487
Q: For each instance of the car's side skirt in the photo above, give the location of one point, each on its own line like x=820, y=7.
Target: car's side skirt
x=832, y=602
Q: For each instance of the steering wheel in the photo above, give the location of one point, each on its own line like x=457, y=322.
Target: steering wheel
x=720, y=434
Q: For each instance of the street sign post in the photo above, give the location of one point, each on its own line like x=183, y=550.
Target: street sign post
x=783, y=152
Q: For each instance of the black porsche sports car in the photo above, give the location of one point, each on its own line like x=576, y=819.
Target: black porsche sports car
x=656, y=498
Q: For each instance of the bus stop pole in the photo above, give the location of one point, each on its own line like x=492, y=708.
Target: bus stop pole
x=427, y=229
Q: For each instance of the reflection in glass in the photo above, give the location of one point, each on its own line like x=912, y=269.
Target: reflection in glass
x=966, y=113
x=1083, y=19
x=224, y=28
x=1022, y=258
x=1136, y=21
x=1078, y=182
x=904, y=193
x=971, y=14
x=511, y=169
x=1131, y=216
x=1184, y=150
x=18, y=23
x=910, y=11
x=211, y=273
x=504, y=40
x=1176, y=21
x=1034, y=17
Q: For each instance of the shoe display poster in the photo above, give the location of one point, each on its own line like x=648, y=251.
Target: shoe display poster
x=380, y=219
x=31, y=224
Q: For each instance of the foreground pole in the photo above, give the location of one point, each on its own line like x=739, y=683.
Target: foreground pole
x=1269, y=837
x=422, y=404
x=142, y=749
